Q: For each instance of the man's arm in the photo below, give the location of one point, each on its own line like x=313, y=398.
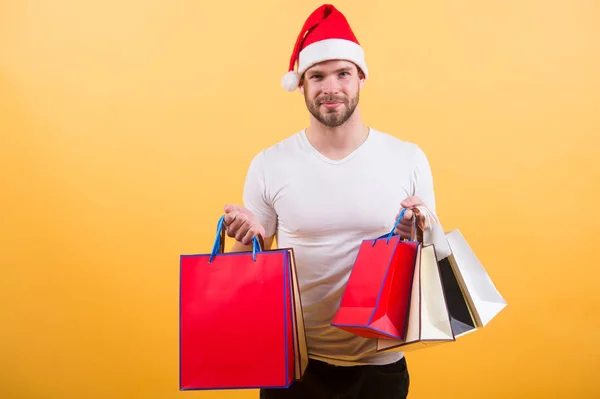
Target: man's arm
x=258, y=214
x=424, y=190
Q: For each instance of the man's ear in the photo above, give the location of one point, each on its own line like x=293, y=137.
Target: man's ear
x=361, y=76
x=301, y=86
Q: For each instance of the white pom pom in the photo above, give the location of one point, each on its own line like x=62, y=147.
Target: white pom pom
x=290, y=81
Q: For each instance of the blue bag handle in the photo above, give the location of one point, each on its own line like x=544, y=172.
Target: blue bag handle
x=220, y=238
x=391, y=233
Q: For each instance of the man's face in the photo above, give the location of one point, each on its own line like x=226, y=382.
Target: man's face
x=331, y=91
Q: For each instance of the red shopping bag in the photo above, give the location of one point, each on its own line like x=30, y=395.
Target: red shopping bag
x=241, y=324
x=376, y=299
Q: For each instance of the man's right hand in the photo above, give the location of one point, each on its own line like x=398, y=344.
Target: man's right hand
x=242, y=224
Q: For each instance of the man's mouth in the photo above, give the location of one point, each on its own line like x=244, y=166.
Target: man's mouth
x=331, y=105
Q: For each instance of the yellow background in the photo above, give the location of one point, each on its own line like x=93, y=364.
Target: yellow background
x=125, y=126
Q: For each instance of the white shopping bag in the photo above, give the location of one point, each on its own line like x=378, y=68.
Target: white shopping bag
x=484, y=299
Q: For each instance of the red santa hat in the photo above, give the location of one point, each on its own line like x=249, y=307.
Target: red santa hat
x=326, y=35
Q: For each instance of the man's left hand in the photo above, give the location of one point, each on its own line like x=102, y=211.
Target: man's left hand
x=404, y=228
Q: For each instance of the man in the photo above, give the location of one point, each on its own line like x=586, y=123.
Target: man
x=322, y=191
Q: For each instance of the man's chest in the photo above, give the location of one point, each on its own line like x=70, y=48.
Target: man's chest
x=324, y=203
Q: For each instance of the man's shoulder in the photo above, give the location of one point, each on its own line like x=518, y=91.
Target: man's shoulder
x=285, y=145
x=394, y=144
x=283, y=148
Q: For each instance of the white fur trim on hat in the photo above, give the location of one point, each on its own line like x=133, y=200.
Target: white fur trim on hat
x=332, y=49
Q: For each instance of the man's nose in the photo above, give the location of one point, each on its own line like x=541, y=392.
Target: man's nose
x=330, y=85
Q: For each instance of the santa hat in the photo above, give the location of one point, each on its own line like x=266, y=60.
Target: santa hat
x=326, y=35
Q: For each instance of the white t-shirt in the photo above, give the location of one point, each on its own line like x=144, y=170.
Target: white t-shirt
x=323, y=209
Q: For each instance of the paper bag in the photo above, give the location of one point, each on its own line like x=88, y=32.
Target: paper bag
x=484, y=299
x=376, y=299
x=241, y=319
x=461, y=318
x=428, y=319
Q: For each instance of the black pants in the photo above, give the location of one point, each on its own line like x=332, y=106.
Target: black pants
x=325, y=381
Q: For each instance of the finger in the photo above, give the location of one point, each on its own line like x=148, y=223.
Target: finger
x=411, y=202
x=404, y=228
x=249, y=236
x=242, y=231
x=405, y=223
x=403, y=232
x=230, y=208
x=407, y=215
x=236, y=225
x=230, y=217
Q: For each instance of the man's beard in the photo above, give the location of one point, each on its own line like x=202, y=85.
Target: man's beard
x=333, y=118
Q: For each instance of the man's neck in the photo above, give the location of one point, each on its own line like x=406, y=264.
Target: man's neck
x=338, y=142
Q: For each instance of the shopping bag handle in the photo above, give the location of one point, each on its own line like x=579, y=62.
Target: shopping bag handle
x=416, y=230
x=219, y=246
